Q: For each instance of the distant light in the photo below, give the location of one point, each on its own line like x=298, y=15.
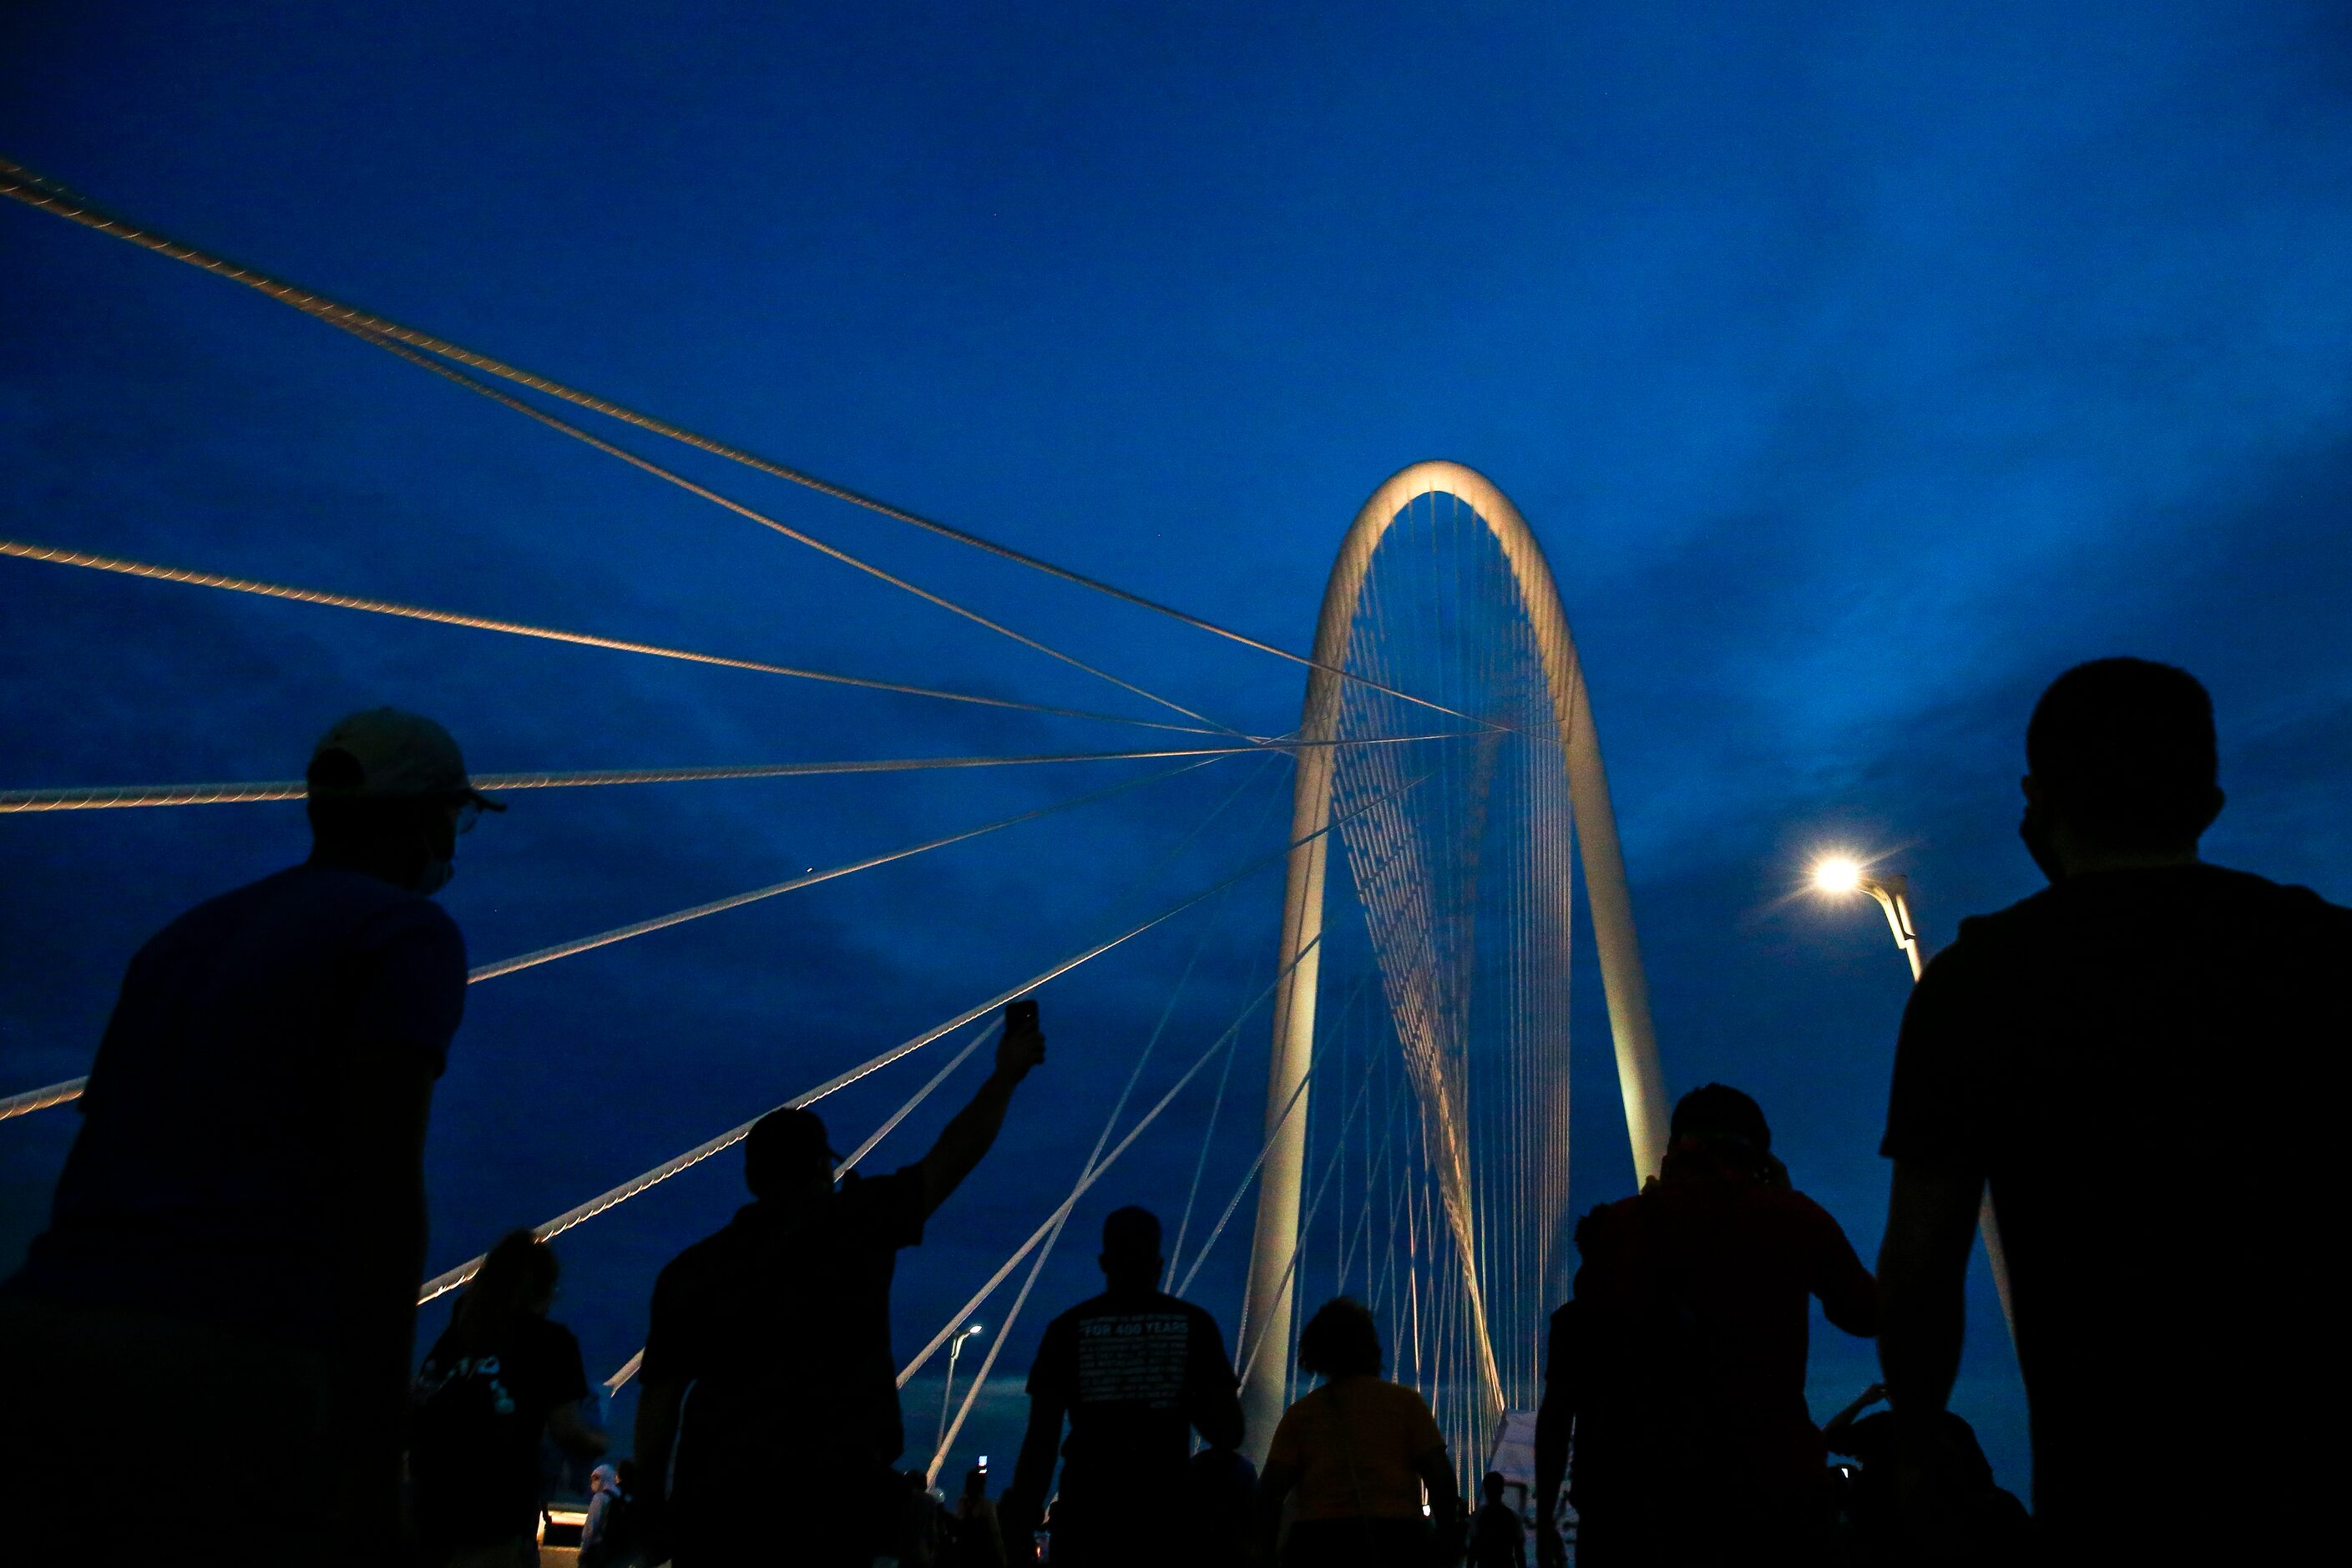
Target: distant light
x=1838, y=874
x=973, y=1329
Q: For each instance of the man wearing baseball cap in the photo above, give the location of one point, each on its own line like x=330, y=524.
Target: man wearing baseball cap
x=239, y=1228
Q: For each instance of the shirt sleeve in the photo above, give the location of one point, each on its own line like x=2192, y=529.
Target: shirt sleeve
x=1421, y=1433
x=886, y=1210
x=1052, y=1376
x=566, y=1375
x=1933, y=1111
x=412, y=980
x=1287, y=1450
x=1212, y=1398
x=1848, y=1291
x=666, y=1332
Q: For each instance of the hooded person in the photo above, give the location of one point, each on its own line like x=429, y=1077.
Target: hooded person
x=1680, y=1363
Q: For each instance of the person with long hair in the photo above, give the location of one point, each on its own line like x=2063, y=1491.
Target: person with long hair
x=1354, y=1459
x=499, y=1376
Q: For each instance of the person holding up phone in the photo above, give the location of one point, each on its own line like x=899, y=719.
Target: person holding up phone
x=769, y=1402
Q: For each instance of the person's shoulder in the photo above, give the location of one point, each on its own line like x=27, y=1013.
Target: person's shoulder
x=900, y=1185
x=552, y=1335
x=1399, y=1396
x=1787, y=1201
x=230, y=907
x=1604, y=1223
x=696, y=1260
x=1067, y=1321
x=1987, y=937
x=1191, y=1312
x=2286, y=903
x=386, y=912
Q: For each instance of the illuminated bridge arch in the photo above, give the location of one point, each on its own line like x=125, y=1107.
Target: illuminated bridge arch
x=1433, y=527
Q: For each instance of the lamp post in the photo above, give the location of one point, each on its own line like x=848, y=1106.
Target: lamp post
x=955, y=1349
x=1840, y=874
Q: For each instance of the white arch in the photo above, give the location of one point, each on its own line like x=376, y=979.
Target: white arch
x=1268, y=1310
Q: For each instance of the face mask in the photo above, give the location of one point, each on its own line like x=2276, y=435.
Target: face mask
x=2034, y=831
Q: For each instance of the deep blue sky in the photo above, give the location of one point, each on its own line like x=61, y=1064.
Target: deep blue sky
x=1860, y=366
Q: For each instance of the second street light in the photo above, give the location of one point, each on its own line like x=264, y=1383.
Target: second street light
x=955, y=1349
x=1842, y=874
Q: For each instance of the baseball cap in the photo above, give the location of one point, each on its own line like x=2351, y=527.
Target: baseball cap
x=783, y=1148
x=397, y=755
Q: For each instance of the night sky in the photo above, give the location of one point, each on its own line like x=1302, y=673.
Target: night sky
x=1860, y=366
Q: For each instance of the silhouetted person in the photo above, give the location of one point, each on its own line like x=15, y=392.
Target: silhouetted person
x=1984, y=1523
x=779, y=1327
x=1135, y=1372
x=1217, y=1510
x=2133, y=1059
x=1679, y=1367
x=240, y=1226
x=605, y=1534
x=498, y=1377
x=979, y=1536
x=1353, y=1458
x=1499, y=1538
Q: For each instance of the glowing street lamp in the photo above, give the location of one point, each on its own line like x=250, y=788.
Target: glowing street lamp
x=955, y=1349
x=1842, y=874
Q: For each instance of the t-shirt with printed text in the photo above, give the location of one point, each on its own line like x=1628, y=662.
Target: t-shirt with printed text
x=1136, y=1373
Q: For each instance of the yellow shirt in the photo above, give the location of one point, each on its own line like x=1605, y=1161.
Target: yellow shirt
x=1354, y=1443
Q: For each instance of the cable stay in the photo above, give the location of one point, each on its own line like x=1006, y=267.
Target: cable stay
x=25, y=551
x=881, y=574
x=62, y=1093
x=35, y=190
x=989, y=1032
x=107, y=798
x=1087, y=1179
x=443, y=1283
x=1037, y=1266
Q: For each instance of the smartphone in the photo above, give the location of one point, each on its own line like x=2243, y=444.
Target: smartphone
x=983, y=1464
x=1021, y=1015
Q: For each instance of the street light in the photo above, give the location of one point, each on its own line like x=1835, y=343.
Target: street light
x=955, y=1349
x=1843, y=874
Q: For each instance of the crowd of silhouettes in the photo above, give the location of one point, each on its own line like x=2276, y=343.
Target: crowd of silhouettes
x=2101, y=1059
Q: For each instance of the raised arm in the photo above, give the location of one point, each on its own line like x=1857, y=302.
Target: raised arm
x=966, y=1137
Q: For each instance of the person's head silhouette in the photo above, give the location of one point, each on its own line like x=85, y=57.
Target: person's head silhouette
x=786, y=1155
x=1130, y=1255
x=1340, y=1341
x=1493, y=1486
x=2122, y=768
x=516, y=1280
x=387, y=794
x=1717, y=1129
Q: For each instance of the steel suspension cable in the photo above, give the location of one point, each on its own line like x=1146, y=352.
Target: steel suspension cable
x=70, y=1089
x=35, y=190
x=449, y=1281
x=836, y=552
x=791, y=884
x=110, y=797
x=1044, y=1252
x=25, y=551
x=989, y=1032
x=1086, y=1180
